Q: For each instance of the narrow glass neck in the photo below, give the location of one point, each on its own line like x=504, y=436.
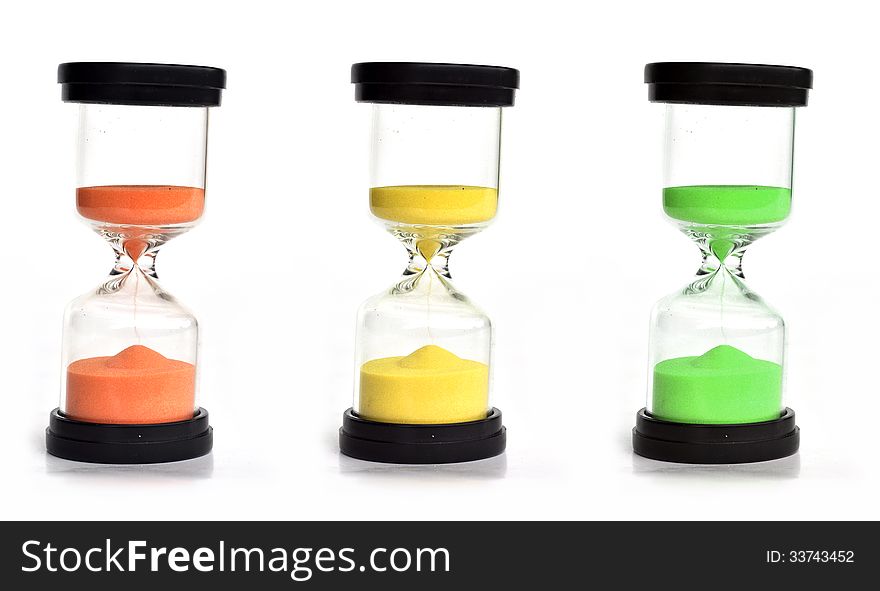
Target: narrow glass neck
x=722, y=254
x=135, y=254
x=430, y=252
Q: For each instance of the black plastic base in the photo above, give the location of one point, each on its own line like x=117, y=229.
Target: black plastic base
x=422, y=444
x=715, y=444
x=129, y=444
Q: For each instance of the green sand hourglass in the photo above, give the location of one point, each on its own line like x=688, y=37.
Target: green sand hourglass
x=715, y=379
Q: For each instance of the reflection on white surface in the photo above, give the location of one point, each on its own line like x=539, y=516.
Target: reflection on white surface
x=196, y=468
x=783, y=468
x=489, y=468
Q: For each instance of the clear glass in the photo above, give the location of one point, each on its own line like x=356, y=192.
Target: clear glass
x=717, y=349
x=130, y=348
x=423, y=348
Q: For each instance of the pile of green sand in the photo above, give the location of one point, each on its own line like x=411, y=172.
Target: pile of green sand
x=722, y=386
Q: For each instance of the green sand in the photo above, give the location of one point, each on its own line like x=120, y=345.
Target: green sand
x=727, y=205
x=722, y=386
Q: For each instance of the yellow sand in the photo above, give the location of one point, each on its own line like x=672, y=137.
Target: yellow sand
x=429, y=386
x=438, y=205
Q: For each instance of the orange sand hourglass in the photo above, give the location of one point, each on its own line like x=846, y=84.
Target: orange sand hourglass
x=128, y=391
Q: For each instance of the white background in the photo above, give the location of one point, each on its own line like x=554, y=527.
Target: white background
x=568, y=272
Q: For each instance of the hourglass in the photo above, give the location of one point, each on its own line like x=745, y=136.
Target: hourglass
x=422, y=374
x=715, y=379
x=128, y=392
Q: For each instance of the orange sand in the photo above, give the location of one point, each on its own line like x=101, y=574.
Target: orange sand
x=141, y=205
x=135, y=386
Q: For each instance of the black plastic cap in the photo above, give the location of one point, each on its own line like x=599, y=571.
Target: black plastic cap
x=126, y=83
x=129, y=444
x=419, y=83
x=713, y=83
x=393, y=443
x=689, y=443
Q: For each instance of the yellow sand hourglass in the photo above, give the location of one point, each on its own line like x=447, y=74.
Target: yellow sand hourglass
x=422, y=375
